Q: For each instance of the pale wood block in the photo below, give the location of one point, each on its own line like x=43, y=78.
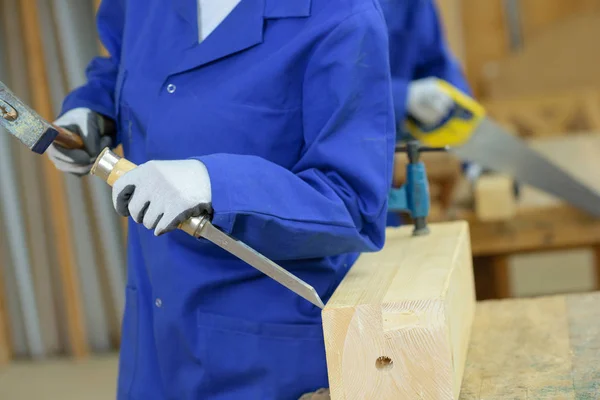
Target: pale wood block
x=494, y=198
x=398, y=326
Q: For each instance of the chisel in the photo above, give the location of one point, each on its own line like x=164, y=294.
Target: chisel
x=110, y=167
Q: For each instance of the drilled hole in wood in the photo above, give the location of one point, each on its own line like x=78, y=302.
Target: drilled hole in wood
x=384, y=363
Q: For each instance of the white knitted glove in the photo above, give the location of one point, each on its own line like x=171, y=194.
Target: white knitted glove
x=163, y=194
x=427, y=102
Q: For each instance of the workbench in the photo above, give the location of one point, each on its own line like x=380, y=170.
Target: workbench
x=536, y=230
x=545, y=349
x=542, y=222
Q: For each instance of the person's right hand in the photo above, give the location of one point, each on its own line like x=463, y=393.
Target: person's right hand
x=93, y=129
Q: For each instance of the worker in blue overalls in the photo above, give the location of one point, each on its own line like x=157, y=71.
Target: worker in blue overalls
x=276, y=117
x=419, y=54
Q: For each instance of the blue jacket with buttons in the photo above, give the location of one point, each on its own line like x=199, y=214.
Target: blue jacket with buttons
x=288, y=104
x=418, y=49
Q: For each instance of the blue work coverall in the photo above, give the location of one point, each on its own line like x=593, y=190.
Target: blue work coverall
x=288, y=104
x=418, y=49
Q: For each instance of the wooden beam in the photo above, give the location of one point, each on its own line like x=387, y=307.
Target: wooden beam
x=495, y=198
x=40, y=96
x=451, y=16
x=486, y=38
x=538, y=16
x=549, y=228
x=398, y=326
x=548, y=115
x=560, y=59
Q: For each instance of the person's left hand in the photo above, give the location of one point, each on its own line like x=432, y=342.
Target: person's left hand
x=163, y=194
x=427, y=102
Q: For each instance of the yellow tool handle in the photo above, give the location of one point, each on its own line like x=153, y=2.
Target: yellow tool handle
x=457, y=128
x=110, y=167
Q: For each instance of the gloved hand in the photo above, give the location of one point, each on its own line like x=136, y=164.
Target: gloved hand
x=96, y=133
x=427, y=102
x=163, y=194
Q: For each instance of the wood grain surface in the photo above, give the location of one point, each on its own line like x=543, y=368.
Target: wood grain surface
x=546, y=348
x=398, y=326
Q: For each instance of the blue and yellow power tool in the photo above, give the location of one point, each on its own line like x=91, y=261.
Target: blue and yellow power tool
x=473, y=137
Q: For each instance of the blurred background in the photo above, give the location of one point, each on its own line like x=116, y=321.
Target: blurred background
x=62, y=254
x=532, y=63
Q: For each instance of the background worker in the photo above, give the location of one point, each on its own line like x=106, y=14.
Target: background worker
x=258, y=112
x=419, y=54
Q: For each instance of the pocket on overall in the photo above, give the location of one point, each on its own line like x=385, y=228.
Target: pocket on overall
x=129, y=342
x=254, y=360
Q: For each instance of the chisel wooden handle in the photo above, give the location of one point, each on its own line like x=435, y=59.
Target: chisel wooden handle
x=68, y=139
x=110, y=167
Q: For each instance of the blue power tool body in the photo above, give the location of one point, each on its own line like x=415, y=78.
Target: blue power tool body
x=413, y=197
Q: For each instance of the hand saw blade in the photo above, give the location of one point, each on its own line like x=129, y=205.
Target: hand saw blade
x=492, y=147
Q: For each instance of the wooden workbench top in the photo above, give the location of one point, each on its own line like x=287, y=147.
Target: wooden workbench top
x=546, y=348
x=543, y=221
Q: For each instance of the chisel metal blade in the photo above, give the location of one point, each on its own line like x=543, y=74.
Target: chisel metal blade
x=261, y=263
x=492, y=147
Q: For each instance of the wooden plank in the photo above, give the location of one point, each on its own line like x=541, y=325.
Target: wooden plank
x=399, y=324
x=486, y=39
x=560, y=59
x=545, y=348
x=539, y=16
x=451, y=18
x=555, y=114
x=559, y=227
x=494, y=198
x=56, y=197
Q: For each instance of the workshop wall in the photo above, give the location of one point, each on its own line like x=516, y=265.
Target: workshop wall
x=62, y=258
